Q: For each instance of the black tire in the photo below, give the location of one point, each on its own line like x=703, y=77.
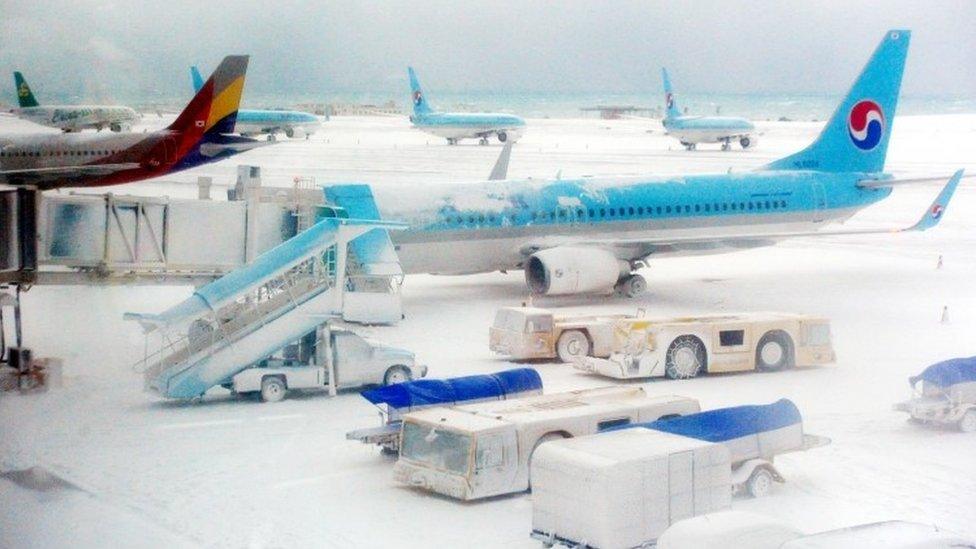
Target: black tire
x=273, y=389
x=745, y=142
x=760, y=483
x=686, y=358
x=502, y=137
x=572, y=345
x=397, y=374
x=774, y=351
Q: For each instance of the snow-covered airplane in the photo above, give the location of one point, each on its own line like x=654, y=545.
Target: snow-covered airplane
x=691, y=130
x=589, y=235
x=199, y=135
x=457, y=126
x=71, y=118
x=262, y=121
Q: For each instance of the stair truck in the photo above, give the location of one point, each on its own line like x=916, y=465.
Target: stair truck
x=480, y=450
x=944, y=394
x=624, y=491
x=685, y=347
x=396, y=400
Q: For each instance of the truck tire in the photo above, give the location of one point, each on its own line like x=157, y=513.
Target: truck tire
x=774, y=352
x=686, y=358
x=397, y=374
x=760, y=483
x=572, y=346
x=273, y=389
x=967, y=424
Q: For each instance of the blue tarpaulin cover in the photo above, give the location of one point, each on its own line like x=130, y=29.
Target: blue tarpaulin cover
x=425, y=392
x=948, y=372
x=729, y=423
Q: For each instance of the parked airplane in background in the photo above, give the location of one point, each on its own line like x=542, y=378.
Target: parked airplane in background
x=255, y=122
x=71, y=118
x=589, y=235
x=457, y=126
x=197, y=136
x=692, y=130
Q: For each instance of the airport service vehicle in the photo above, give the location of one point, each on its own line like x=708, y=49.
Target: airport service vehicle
x=590, y=235
x=754, y=435
x=71, y=118
x=945, y=394
x=692, y=130
x=199, y=135
x=744, y=530
x=481, y=450
x=622, y=488
x=356, y=361
x=684, y=347
x=396, y=400
x=265, y=121
x=528, y=332
x=456, y=126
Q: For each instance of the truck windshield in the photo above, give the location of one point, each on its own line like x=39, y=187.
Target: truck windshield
x=818, y=334
x=509, y=320
x=437, y=448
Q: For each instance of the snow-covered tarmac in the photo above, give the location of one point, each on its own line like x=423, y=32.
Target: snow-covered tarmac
x=235, y=473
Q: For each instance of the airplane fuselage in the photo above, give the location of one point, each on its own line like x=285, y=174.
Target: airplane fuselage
x=495, y=225
x=73, y=118
x=291, y=123
x=454, y=126
x=708, y=129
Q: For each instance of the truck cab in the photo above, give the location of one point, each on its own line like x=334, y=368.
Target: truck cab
x=306, y=364
x=525, y=333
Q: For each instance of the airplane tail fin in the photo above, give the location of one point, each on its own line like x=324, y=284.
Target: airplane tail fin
x=25, y=97
x=671, y=108
x=196, y=78
x=420, y=105
x=214, y=108
x=856, y=137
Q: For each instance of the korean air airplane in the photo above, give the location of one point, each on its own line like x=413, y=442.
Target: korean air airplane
x=590, y=235
x=199, y=135
x=255, y=122
x=71, y=118
x=692, y=130
x=457, y=126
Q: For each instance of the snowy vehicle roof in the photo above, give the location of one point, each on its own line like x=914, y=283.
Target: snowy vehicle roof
x=948, y=372
x=729, y=423
x=426, y=392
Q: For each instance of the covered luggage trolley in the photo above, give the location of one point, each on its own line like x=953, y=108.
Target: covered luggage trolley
x=944, y=393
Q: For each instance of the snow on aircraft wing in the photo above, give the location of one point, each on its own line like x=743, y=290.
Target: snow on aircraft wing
x=933, y=214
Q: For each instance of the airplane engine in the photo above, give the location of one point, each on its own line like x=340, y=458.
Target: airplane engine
x=573, y=270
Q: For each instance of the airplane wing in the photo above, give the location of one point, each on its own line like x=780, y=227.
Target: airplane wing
x=881, y=183
x=677, y=243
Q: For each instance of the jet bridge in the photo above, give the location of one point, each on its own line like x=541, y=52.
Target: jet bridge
x=237, y=320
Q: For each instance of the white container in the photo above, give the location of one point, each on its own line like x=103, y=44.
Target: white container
x=624, y=488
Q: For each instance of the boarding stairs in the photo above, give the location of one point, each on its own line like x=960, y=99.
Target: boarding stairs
x=250, y=313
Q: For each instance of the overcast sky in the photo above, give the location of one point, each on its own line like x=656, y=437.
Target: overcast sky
x=83, y=47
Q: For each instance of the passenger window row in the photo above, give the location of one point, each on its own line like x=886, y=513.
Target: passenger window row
x=630, y=211
x=39, y=153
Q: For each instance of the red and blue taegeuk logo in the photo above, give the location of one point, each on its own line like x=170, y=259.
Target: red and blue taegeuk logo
x=937, y=211
x=417, y=97
x=865, y=124
x=669, y=99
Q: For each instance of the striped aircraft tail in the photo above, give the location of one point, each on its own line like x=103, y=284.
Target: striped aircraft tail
x=213, y=110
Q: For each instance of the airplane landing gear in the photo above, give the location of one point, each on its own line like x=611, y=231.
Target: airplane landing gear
x=726, y=145
x=272, y=138
x=631, y=286
x=688, y=146
x=452, y=141
x=483, y=141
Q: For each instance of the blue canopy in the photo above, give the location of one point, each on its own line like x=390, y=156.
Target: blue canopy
x=948, y=373
x=425, y=392
x=729, y=423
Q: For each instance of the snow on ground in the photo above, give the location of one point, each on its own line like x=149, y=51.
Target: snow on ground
x=233, y=473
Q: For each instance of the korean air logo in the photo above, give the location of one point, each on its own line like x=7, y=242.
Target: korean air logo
x=417, y=97
x=669, y=99
x=937, y=211
x=865, y=124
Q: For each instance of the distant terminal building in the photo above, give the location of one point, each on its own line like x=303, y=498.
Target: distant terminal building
x=615, y=112
x=390, y=108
